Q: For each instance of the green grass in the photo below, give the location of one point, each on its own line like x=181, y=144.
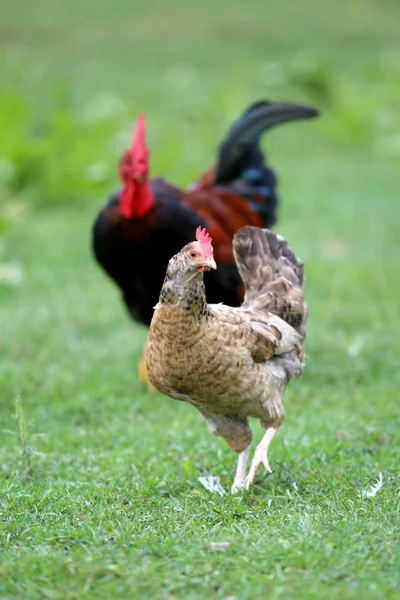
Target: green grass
x=99, y=491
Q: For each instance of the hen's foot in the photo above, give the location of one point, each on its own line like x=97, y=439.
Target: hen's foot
x=260, y=456
x=239, y=482
x=143, y=376
x=238, y=486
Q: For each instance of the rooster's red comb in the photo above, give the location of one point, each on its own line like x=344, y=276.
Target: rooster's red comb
x=139, y=133
x=205, y=241
x=138, y=149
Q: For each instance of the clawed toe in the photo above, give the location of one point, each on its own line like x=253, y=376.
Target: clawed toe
x=238, y=486
x=260, y=456
x=264, y=459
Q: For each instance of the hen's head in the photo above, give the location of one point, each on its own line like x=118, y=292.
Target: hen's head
x=195, y=257
x=136, y=198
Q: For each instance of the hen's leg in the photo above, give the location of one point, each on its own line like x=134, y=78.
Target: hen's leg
x=261, y=456
x=143, y=375
x=240, y=476
x=237, y=433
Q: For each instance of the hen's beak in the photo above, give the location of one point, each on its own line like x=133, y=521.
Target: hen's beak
x=210, y=264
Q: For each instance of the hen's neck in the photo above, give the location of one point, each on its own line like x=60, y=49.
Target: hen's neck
x=188, y=296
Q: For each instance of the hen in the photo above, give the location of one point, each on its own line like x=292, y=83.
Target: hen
x=150, y=220
x=231, y=363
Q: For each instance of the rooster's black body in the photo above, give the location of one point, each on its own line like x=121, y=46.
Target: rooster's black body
x=150, y=220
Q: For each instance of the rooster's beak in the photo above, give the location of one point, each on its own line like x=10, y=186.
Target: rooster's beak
x=139, y=178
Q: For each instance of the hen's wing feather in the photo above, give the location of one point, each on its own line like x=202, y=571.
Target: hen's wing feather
x=265, y=335
x=273, y=277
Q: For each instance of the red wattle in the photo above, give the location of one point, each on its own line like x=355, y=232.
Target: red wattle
x=127, y=201
x=136, y=200
x=144, y=200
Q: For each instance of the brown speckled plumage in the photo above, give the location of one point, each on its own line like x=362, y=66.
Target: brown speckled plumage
x=231, y=363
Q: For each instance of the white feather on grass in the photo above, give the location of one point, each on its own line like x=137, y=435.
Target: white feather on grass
x=374, y=489
x=212, y=484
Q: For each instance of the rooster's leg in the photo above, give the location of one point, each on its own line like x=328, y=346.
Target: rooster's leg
x=240, y=476
x=261, y=456
x=143, y=376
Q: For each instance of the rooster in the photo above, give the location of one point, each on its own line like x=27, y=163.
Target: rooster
x=231, y=363
x=150, y=220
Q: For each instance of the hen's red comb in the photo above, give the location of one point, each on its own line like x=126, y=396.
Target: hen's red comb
x=205, y=242
x=138, y=149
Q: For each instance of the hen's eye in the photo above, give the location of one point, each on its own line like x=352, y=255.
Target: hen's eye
x=193, y=254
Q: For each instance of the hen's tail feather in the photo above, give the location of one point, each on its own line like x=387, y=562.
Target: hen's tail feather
x=272, y=275
x=238, y=148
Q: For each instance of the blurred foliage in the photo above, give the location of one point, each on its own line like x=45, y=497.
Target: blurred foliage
x=362, y=111
x=54, y=152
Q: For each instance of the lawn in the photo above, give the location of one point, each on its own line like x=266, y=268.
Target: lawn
x=99, y=490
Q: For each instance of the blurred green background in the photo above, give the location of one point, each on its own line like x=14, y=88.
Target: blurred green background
x=99, y=481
